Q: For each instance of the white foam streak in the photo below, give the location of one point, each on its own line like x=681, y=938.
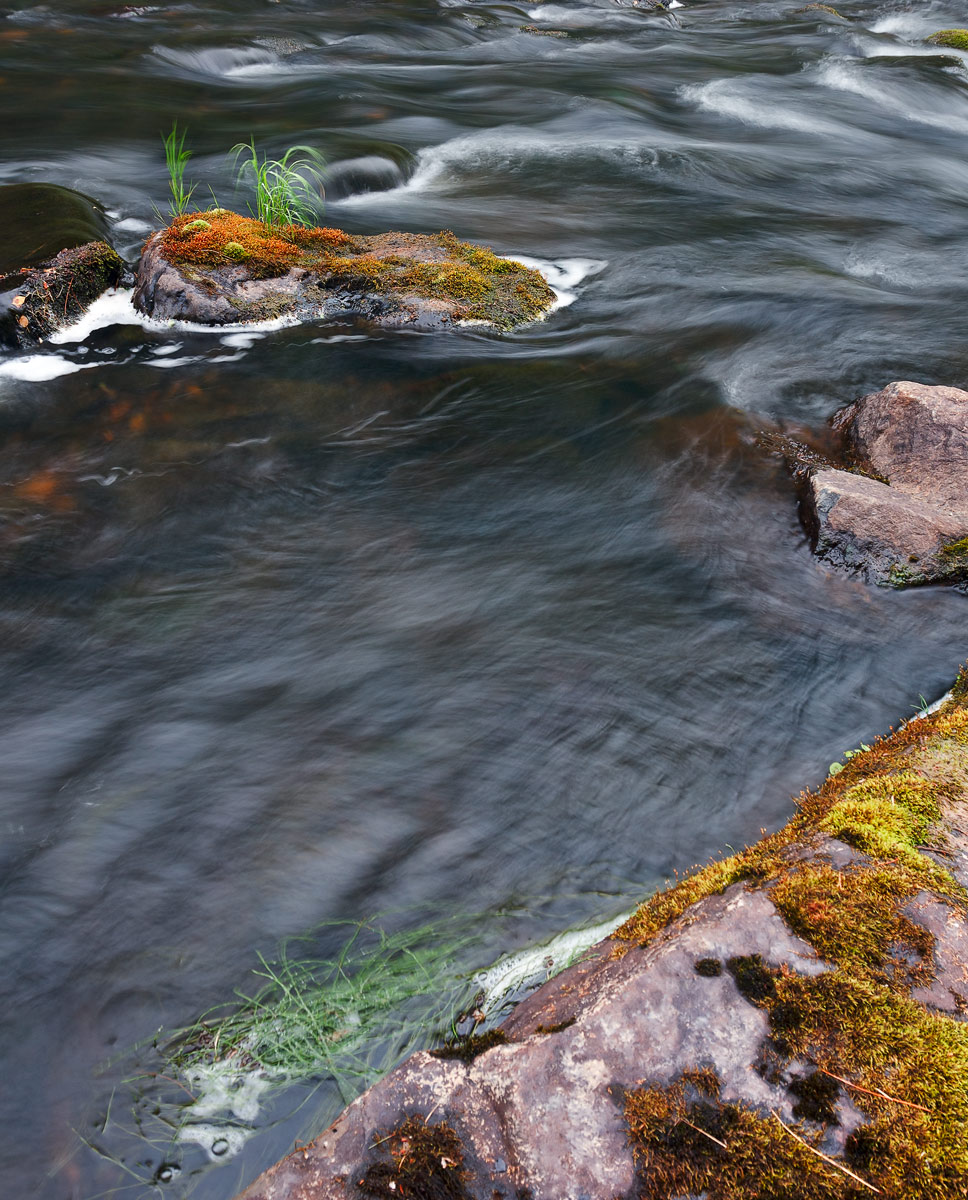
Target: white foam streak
x=731, y=98
x=39, y=368
x=113, y=308
x=846, y=76
x=562, y=276
x=530, y=968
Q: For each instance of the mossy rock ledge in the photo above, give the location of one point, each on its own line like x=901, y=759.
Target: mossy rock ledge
x=785, y=1023
x=897, y=513
x=218, y=268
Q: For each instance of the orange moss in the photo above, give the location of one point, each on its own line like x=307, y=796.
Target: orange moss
x=200, y=239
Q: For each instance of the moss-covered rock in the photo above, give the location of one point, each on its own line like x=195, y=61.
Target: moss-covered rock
x=38, y=220
x=789, y=1022
x=953, y=39
x=217, y=268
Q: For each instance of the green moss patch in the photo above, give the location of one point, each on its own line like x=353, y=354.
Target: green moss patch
x=954, y=39
x=856, y=1025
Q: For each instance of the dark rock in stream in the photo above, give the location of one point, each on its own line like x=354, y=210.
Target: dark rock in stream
x=46, y=298
x=745, y=1014
x=217, y=268
x=901, y=516
x=54, y=260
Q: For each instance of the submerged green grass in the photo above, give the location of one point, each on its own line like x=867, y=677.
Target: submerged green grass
x=382, y=996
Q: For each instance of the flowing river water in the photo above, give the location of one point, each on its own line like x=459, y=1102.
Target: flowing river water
x=318, y=623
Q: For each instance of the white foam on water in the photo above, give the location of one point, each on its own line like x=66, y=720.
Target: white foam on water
x=221, y=1088
x=39, y=368
x=903, y=24
x=338, y=337
x=114, y=307
x=220, y=1142
x=241, y=341
x=530, y=968
x=563, y=275
x=132, y=225
x=175, y=362
x=732, y=98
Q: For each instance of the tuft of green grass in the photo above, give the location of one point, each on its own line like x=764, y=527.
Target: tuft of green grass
x=176, y=159
x=384, y=995
x=283, y=186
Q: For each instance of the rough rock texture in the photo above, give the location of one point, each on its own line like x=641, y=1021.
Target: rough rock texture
x=906, y=520
x=218, y=268
x=805, y=998
x=38, y=300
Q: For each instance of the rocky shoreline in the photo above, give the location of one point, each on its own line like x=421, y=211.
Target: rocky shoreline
x=787, y=1022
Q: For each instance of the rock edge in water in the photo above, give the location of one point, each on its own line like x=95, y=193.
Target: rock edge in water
x=787, y=1022
x=901, y=516
x=218, y=268
x=36, y=301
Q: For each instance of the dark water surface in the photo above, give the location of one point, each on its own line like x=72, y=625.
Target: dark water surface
x=327, y=622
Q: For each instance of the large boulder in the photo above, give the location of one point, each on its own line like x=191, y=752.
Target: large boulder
x=217, y=268
x=789, y=1022
x=901, y=515
x=54, y=259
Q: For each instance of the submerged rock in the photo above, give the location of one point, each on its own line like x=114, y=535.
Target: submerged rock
x=54, y=260
x=904, y=519
x=37, y=220
x=788, y=1022
x=356, y=176
x=218, y=268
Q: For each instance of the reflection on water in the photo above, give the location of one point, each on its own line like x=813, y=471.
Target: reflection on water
x=312, y=624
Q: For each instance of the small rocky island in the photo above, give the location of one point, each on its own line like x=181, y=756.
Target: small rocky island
x=219, y=268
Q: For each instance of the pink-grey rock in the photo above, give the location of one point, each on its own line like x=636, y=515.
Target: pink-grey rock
x=542, y=1115
x=899, y=517
x=880, y=532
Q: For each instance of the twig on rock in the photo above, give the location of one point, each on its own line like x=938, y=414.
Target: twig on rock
x=830, y=1161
